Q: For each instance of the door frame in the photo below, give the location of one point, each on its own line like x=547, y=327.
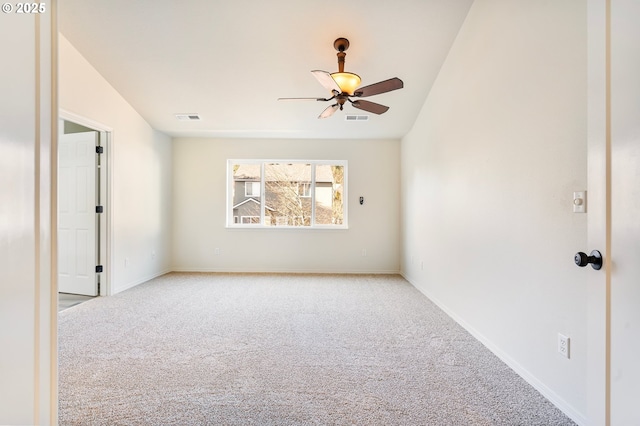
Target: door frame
x=106, y=179
x=599, y=211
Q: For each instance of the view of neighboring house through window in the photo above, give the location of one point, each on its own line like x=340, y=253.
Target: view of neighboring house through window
x=287, y=193
x=252, y=189
x=246, y=190
x=304, y=189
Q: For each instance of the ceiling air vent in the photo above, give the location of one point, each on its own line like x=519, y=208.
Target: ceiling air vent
x=188, y=117
x=353, y=117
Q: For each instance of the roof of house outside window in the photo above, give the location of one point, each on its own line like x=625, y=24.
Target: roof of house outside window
x=254, y=201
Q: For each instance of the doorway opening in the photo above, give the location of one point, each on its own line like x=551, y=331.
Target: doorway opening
x=83, y=206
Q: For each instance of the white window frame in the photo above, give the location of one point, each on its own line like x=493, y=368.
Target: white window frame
x=231, y=223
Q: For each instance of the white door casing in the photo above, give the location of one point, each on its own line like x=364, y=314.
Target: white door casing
x=625, y=211
x=77, y=237
x=597, y=216
x=614, y=211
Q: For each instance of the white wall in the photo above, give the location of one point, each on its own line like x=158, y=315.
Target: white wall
x=199, y=213
x=140, y=167
x=27, y=294
x=488, y=173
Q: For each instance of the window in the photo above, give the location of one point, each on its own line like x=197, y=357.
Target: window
x=252, y=189
x=250, y=219
x=286, y=194
x=304, y=189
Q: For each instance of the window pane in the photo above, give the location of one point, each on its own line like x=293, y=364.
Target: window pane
x=285, y=202
x=252, y=189
x=329, y=191
x=304, y=189
x=246, y=193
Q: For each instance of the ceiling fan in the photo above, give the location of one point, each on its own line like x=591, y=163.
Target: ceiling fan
x=344, y=86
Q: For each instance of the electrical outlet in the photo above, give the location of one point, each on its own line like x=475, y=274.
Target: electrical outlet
x=216, y=251
x=364, y=252
x=563, y=345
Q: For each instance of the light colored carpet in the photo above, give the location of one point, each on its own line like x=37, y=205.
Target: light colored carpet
x=263, y=349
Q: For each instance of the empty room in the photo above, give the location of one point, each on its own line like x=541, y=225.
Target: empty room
x=375, y=213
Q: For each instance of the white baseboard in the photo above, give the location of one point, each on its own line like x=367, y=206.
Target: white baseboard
x=286, y=271
x=547, y=392
x=132, y=284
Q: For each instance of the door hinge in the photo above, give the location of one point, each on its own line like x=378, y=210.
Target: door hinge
x=98, y=269
x=99, y=150
x=99, y=209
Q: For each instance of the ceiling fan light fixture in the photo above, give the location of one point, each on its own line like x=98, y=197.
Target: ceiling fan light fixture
x=347, y=81
x=344, y=85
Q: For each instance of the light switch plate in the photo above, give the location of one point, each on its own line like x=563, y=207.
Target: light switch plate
x=580, y=202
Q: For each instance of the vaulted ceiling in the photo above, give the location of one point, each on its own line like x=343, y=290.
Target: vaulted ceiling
x=229, y=61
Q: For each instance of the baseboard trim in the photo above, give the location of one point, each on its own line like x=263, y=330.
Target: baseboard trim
x=132, y=284
x=287, y=271
x=547, y=392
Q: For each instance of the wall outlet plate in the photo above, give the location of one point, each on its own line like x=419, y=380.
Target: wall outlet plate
x=563, y=345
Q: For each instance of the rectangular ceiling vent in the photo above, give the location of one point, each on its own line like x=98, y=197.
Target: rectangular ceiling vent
x=354, y=117
x=188, y=117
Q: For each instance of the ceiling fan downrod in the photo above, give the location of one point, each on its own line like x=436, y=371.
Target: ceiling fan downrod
x=341, y=45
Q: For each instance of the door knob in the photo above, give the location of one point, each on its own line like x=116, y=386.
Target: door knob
x=595, y=259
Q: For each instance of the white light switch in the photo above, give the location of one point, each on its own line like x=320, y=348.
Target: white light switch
x=580, y=202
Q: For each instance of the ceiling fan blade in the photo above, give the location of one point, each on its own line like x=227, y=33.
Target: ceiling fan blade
x=328, y=112
x=370, y=106
x=327, y=81
x=380, y=87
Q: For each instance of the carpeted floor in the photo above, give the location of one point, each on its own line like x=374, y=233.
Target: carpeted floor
x=268, y=349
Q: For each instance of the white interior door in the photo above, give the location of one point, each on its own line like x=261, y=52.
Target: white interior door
x=77, y=236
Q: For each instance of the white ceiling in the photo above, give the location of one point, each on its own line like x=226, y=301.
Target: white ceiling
x=229, y=61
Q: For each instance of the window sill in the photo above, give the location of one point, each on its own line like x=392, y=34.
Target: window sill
x=290, y=228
